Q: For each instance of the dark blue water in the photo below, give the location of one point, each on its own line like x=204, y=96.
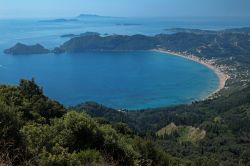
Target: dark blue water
x=129, y=80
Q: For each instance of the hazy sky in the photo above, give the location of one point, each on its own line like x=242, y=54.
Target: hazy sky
x=138, y=8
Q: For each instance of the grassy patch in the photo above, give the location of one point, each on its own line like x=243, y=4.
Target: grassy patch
x=182, y=133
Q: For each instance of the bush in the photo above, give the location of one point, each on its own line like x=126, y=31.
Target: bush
x=10, y=123
x=61, y=156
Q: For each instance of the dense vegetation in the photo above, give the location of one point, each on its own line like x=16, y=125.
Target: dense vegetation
x=225, y=121
x=38, y=131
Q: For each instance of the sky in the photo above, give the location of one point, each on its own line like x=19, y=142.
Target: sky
x=127, y=8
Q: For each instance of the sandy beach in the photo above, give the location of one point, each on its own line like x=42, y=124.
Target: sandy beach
x=223, y=77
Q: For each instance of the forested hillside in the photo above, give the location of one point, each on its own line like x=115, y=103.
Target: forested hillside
x=38, y=131
x=215, y=129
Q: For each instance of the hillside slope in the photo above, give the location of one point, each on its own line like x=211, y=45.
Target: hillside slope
x=35, y=130
x=222, y=127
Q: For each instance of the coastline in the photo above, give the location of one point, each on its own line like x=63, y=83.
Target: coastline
x=223, y=77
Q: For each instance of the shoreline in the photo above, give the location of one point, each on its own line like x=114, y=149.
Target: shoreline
x=223, y=77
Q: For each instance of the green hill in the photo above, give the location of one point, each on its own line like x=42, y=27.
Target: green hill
x=216, y=129
x=38, y=131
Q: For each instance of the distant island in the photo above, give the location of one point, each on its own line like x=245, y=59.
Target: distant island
x=22, y=49
x=60, y=20
x=74, y=19
x=199, y=31
x=91, y=16
x=82, y=34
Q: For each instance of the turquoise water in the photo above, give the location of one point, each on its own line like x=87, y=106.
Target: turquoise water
x=131, y=80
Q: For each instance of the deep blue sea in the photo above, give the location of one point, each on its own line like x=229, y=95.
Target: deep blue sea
x=130, y=80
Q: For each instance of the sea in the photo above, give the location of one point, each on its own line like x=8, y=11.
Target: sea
x=129, y=80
